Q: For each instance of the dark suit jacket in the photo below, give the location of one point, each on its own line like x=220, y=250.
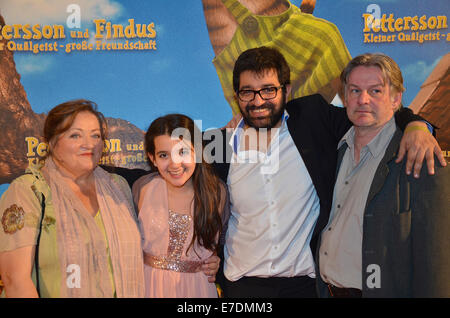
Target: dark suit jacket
x=405, y=231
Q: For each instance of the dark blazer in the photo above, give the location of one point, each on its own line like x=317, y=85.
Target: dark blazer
x=405, y=231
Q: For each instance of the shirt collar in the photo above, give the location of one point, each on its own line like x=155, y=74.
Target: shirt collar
x=377, y=146
x=236, y=136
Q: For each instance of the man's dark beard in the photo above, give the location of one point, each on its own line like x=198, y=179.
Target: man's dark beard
x=273, y=119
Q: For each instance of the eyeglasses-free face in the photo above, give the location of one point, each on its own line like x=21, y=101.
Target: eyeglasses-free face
x=266, y=93
x=175, y=160
x=369, y=101
x=78, y=150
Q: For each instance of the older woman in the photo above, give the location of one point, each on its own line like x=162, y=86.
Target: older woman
x=68, y=226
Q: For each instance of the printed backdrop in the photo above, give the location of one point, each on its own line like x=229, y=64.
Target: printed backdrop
x=142, y=59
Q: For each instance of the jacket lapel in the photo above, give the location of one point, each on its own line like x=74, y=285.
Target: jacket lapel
x=340, y=156
x=383, y=168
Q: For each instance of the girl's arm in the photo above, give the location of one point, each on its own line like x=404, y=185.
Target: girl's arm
x=210, y=267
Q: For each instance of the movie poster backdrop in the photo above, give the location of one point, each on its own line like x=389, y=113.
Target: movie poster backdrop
x=142, y=59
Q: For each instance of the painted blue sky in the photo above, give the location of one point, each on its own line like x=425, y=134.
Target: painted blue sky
x=415, y=60
x=136, y=86
x=179, y=76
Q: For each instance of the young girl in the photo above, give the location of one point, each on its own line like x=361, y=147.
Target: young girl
x=180, y=210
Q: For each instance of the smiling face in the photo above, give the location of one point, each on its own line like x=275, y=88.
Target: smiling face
x=174, y=159
x=260, y=113
x=369, y=100
x=77, y=151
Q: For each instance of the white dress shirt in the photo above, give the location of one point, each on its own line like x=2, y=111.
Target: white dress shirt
x=274, y=208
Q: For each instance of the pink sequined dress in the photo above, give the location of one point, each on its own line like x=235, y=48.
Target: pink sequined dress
x=169, y=272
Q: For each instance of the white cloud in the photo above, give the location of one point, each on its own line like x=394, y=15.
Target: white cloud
x=32, y=64
x=160, y=65
x=55, y=11
x=160, y=30
x=420, y=70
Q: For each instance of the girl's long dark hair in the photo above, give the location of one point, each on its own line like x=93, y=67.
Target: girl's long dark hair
x=209, y=191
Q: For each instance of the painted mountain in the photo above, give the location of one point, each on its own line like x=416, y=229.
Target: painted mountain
x=21, y=142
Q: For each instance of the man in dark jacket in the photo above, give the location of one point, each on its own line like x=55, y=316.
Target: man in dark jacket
x=387, y=235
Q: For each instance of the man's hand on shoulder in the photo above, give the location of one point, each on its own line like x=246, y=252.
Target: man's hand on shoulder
x=418, y=143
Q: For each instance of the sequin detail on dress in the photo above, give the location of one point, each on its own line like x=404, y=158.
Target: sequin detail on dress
x=178, y=231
